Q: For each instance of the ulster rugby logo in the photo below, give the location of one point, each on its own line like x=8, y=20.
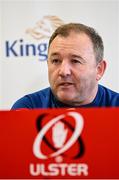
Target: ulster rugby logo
x=58, y=135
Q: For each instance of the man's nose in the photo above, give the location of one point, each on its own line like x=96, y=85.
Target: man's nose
x=65, y=69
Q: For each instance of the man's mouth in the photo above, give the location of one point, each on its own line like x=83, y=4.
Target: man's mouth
x=65, y=84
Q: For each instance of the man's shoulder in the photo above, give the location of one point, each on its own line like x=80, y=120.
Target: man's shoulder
x=43, y=92
x=110, y=96
x=108, y=90
x=38, y=99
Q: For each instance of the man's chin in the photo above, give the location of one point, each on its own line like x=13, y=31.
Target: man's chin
x=67, y=99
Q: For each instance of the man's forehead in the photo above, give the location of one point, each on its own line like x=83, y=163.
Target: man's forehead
x=73, y=42
x=72, y=37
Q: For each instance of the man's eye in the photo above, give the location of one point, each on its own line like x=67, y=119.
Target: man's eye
x=75, y=61
x=55, y=61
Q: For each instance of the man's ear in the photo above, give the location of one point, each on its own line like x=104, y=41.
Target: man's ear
x=101, y=67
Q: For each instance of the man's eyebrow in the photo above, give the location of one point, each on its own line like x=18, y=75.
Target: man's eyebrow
x=54, y=54
x=74, y=55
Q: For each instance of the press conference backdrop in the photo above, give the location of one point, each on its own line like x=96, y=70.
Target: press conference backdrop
x=25, y=30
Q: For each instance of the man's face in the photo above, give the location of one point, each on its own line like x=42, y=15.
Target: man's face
x=73, y=72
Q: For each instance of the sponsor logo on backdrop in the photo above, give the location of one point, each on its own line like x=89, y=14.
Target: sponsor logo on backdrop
x=45, y=27
x=58, y=146
x=37, y=44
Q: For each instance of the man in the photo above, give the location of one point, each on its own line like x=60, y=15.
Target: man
x=75, y=65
